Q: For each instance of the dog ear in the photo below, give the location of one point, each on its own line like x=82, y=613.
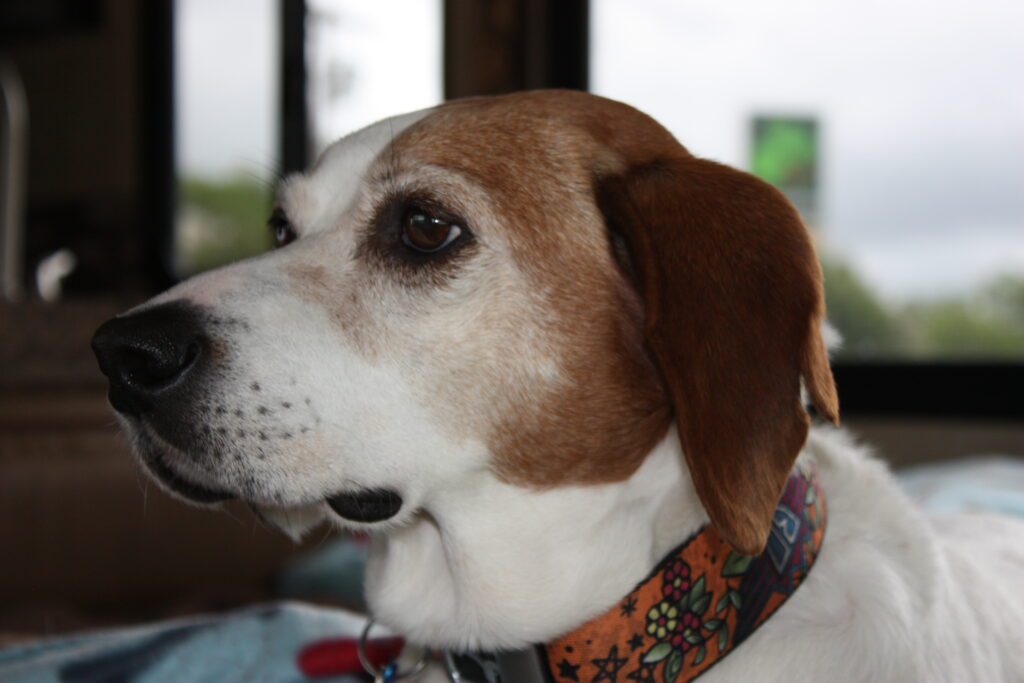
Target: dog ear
x=734, y=306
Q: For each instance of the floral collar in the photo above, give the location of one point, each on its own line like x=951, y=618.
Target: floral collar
x=698, y=605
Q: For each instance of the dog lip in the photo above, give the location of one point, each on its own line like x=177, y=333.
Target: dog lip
x=185, y=488
x=153, y=456
x=366, y=505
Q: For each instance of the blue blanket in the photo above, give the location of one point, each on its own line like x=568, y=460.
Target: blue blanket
x=247, y=646
x=261, y=643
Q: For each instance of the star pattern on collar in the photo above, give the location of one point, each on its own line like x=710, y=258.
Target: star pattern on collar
x=645, y=674
x=608, y=667
x=568, y=671
x=629, y=607
x=636, y=642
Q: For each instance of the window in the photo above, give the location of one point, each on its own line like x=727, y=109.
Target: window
x=360, y=66
x=903, y=148
x=363, y=65
x=226, y=59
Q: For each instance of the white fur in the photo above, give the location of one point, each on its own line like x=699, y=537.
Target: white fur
x=472, y=562
x=495, y=566
x=317, y=200
x=894, y=595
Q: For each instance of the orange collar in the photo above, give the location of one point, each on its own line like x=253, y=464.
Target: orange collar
x=700, y=603
x=696, y=607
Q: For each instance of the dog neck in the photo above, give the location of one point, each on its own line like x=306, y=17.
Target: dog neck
x=491, y=566
x=700, y=603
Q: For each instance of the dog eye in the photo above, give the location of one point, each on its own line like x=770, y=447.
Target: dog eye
x=280, y=228
x=426, y=233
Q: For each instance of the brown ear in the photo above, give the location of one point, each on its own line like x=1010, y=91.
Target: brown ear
x=733, y=298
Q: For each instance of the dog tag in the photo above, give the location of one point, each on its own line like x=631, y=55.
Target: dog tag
x=388, y=674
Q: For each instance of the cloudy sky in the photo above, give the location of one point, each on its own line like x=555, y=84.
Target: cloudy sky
x=227, y=56
x=921, y=104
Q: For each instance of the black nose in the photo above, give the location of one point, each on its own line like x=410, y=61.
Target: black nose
x=147, y=355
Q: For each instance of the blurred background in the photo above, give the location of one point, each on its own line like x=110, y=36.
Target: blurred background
x=142, y=142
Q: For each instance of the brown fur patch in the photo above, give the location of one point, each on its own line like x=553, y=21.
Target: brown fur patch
x=609, y=409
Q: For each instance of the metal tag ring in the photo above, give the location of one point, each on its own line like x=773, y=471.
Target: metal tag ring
x=451, y=669
x=416, y=670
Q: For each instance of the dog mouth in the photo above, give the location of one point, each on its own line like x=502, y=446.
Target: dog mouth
x=366, y=505
x=153, y=457
x=360, y=509
x=362, y=505
x=185, y=488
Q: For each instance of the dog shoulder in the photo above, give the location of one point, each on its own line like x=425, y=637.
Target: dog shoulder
x=895, y=595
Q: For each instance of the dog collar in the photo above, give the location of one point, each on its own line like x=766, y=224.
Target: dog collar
x=695, y=607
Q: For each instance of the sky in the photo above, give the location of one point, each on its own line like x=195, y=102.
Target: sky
x=920, y=104
x=227, y=87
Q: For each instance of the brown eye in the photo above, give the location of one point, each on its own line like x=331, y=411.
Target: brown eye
x=427, y=234
x=280, y=228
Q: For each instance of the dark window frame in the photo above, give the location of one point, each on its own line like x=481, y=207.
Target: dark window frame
x=933, y=389
x=158, y=198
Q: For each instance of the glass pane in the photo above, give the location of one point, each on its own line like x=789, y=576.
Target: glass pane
x=896, y=127
x=370, y=60
x=227, y=65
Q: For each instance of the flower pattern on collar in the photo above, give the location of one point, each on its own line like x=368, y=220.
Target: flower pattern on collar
x=700, y=603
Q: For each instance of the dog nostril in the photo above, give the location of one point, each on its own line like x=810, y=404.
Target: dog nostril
x=152, y=370
x=191, y=354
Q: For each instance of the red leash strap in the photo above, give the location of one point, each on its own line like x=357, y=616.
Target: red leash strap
x=337, y=656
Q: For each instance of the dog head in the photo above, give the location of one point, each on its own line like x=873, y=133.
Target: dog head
x=529, y=288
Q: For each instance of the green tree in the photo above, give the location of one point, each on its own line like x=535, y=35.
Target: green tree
x=867, y=325
x=221, y=221
x=987, y=324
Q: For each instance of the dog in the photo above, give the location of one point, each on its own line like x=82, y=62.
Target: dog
x=530, y=344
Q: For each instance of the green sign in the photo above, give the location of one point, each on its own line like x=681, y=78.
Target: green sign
x=784, y=151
